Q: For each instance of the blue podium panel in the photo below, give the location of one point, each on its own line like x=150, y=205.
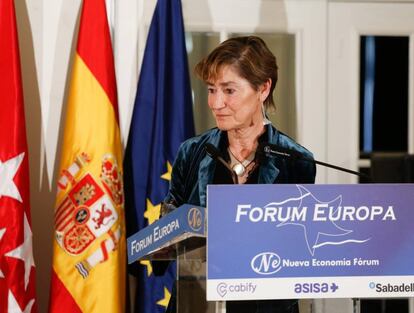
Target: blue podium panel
x=159, y=240
x=310, y=241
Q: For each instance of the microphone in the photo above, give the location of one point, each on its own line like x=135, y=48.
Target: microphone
x=272, y=150
x=215, y=154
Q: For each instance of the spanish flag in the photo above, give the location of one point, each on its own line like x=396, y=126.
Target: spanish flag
x=89, y=240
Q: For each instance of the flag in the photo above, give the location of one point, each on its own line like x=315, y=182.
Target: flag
x=162, y=118
x=89, y=251
x=17, y=271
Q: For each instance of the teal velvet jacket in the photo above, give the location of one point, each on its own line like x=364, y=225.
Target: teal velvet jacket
x=194, y=169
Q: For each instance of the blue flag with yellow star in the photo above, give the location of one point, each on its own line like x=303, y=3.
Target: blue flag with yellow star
x=161, y=120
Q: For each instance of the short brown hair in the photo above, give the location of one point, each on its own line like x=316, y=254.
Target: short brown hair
x=249, y=56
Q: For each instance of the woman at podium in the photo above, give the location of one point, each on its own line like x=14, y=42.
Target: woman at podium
x=241, y=75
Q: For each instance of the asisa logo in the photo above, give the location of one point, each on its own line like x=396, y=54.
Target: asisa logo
x=315, y=287
x=266, y=263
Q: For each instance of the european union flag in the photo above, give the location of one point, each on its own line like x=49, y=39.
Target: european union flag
x=162, y=119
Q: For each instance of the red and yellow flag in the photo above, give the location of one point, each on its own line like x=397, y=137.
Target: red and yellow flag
x=89, y=245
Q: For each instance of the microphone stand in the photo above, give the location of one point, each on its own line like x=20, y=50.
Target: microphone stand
x=215, y=154
x=285, y=153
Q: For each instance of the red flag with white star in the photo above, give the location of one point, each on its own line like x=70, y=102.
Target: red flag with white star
x=17, y=272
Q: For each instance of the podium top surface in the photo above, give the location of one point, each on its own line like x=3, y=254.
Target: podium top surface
x=181, y=231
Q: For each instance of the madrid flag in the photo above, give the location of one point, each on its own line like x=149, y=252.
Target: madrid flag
x=89, y=239
x=17, y=272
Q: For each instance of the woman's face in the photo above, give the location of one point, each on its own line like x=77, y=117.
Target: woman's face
x=233, y=101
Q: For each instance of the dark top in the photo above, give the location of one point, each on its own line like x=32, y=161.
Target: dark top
x=193, y=169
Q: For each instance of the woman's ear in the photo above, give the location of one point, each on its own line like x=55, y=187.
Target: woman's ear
x=265, y=90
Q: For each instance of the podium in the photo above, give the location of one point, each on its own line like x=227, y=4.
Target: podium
x=287, y=242
x=179, y=236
